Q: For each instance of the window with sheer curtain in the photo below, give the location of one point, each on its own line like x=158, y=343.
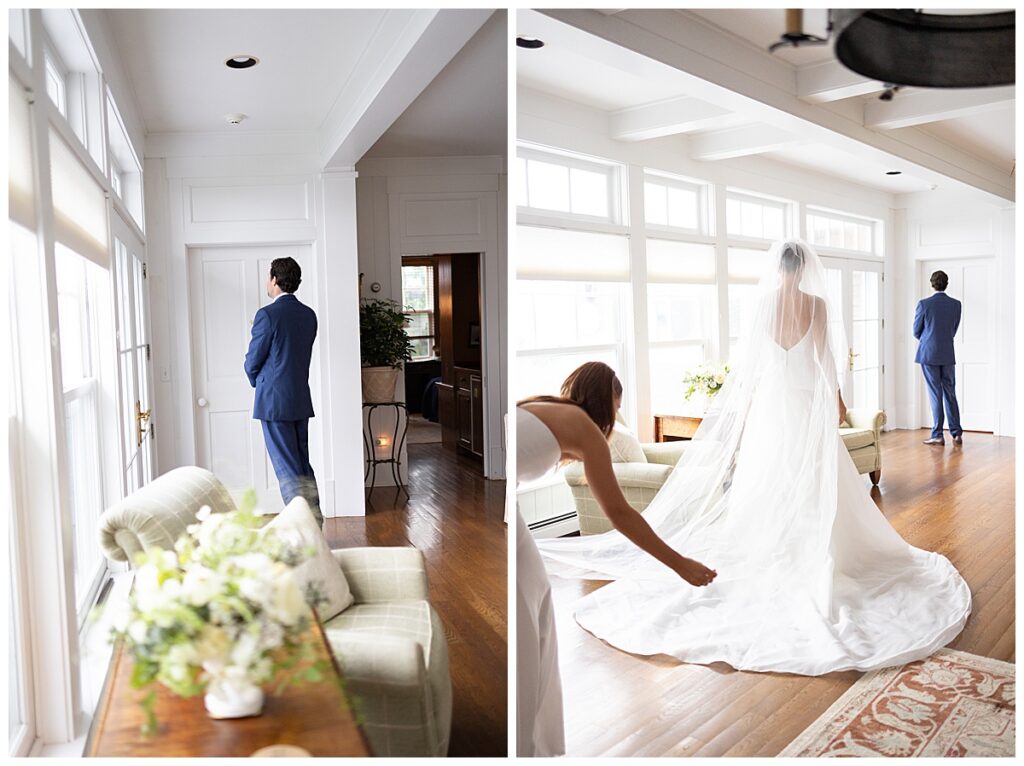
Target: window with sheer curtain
x=574, y=306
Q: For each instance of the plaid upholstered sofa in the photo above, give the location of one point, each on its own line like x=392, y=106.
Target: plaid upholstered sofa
x=390, y=642
x=642, y=469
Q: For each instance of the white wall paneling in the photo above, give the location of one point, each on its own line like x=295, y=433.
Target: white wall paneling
x=223, y=202
x=427, y=206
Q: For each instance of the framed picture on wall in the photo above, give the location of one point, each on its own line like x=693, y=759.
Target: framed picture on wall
x=474, y=334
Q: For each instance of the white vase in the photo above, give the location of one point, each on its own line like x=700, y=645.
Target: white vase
x=233, y=698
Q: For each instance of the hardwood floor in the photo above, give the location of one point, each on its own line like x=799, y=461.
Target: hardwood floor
x=957, y=501
x=455, y=517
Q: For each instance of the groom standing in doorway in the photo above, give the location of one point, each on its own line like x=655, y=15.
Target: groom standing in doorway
x=277, y=365
x=935, y=323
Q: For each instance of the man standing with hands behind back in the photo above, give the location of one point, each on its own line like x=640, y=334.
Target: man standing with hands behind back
x=935, y=323
x=277, y=365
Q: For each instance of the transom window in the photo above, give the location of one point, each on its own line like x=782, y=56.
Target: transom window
x=675, y=203
x=569, y=185
x=748, y=215
x=56, y=81
x=839, y=231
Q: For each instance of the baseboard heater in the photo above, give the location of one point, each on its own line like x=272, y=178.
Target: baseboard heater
x=538, y=525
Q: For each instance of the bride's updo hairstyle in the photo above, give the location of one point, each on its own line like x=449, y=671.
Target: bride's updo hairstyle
x=595, y=387
x=791, y=260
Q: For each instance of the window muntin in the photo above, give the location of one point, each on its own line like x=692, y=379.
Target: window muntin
x=568, y=185
x=418, y=304
x=747, y=215
x=675, y=203
x=837, y=231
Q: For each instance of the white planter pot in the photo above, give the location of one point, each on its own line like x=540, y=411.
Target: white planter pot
x=379, y=384
x=233, y=698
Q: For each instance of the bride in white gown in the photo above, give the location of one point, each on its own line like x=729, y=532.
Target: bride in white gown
x=811, y=576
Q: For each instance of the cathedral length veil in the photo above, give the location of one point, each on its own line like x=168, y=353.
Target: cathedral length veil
x=811, y=577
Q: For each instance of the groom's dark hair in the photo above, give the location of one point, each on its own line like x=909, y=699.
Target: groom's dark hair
x=939, y=280
x=287, y=272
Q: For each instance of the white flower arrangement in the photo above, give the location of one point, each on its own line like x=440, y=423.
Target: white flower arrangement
x=223, y=607
x=707, y=378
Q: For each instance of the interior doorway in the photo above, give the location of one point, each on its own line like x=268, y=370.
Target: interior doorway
x=444, y=387
x=227, y=286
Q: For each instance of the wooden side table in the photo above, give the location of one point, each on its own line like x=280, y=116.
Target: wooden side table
x=313, y=716
x=670, y=428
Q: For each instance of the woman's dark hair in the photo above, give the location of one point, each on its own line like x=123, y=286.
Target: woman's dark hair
x=939, y=280
x=792, y=258
x=287, y=273
x=595, y=387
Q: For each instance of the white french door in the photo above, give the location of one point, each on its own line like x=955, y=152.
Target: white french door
x=133, y=356
x=227, y=287
x=971, y=281
x=856, y=286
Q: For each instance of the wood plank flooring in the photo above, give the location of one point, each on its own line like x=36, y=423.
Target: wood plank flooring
x=455, y=517
x=957, y=501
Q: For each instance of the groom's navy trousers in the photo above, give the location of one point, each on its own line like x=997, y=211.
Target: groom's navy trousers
x=277, y=365
x=935, y=324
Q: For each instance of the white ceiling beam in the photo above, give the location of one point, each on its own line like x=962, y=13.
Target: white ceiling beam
x=407, y=52
x=740, y=141
x=831, y=81
x=667, y=118
x=725, y=71
x=924, y=106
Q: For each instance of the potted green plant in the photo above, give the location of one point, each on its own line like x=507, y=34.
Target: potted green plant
x=384, y=345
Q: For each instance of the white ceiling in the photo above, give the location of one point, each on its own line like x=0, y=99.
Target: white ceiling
x=588, y=70
x=175, y=59
x=463, y=112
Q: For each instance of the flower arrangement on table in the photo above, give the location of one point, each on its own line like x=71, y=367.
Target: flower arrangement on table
x=220, y=614
x=707, y=379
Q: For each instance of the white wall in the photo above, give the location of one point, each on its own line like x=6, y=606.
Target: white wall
x=953, y=224
x=193, y=187
x=467, y=199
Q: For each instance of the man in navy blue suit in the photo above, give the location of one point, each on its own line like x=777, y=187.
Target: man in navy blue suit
x=935, y=323
x=277, y=365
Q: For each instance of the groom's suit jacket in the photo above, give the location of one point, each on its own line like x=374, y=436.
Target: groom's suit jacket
x=935, y=323
x=277, y=362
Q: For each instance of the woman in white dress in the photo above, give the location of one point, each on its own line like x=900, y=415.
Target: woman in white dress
x=551, y=430
x=812, y=578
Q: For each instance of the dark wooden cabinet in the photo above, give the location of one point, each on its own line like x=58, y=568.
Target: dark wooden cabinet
x=469, y=410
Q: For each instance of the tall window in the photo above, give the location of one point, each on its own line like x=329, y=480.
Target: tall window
x=681, y=300
x=418, y=304
x=82, y=293
x=573, y=292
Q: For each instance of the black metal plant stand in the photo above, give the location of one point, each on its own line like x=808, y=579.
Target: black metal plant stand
x=395, y=455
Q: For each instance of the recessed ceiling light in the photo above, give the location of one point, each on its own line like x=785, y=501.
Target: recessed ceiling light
x=241, y=62
x=529, y=42
x=893, y=172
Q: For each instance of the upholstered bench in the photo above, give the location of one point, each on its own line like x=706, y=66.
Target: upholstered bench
x=390, y=643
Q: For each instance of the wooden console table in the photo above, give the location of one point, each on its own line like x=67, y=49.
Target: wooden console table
x=670, y=428
x=313, y=716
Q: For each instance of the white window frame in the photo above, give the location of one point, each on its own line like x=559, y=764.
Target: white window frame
x=876, y=226
x=614, y=173
x=705, y=206
x=786, y=206
x=56, y=72
x=430, y=313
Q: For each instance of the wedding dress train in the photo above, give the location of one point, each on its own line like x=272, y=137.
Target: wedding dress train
x=811, y=576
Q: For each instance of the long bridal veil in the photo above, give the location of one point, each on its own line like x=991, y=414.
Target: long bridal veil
x=811, y=577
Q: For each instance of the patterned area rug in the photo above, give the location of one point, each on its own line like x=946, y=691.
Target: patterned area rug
x=422, y=431
x=950, y=704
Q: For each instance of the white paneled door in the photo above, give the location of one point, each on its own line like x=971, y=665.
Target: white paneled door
x=972, y=282
x=227, y=287
x=133, y=354
x=856, y=286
